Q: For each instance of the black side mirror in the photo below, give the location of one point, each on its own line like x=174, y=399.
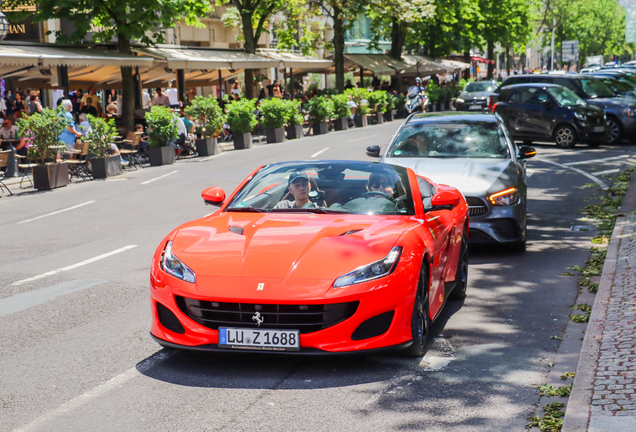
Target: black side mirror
x=547, y=103
x=373, y=151
x=527, y=152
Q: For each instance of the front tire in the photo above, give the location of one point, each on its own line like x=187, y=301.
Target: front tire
x=461, y=277
x=565, y=137
x=420, y=321
x=615, y=131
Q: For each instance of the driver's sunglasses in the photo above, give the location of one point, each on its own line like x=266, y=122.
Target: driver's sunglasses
x=378, y=185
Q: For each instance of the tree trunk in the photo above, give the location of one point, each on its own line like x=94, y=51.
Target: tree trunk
x=127, y=85
x=250, y=47
x=491, y=52
x=338, y=48
x=398, y=36
x=467, y=60
x=508, y=60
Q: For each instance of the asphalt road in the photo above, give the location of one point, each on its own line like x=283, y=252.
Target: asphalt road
x=75, y=353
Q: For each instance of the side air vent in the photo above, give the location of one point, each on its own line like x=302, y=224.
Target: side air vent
x=350, y=232
x=236, y=230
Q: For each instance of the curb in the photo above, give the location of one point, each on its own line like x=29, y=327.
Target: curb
x=577, y=413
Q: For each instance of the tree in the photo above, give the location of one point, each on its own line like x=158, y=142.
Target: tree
x=126, y=20
x=252, y=17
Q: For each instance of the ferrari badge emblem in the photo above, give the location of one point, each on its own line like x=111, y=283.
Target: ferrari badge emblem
x=260, y=286
x=258, y=319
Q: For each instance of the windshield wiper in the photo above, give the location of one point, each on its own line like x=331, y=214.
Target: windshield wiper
x=245, y=210
x=309, y=210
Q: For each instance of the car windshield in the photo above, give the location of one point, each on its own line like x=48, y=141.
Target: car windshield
x=595, y=88
x=468, y=139
x=323, y=188
x=565, y=97
x=479, y=87
x=616, y=85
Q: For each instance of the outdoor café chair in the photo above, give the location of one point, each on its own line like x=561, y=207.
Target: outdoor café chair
x=24, y=169
x=4, y=159
x=132, y=154
x=77, y=161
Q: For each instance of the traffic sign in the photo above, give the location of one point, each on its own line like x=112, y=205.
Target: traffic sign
x=630, y=23
x=570, y=51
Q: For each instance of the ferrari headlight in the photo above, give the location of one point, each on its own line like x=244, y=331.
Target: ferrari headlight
x=580, y=116
x=175, y=267
x=459, y=100
x=375, y=270
x=505, y=197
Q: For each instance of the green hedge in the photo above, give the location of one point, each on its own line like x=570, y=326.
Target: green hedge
x=241, y=117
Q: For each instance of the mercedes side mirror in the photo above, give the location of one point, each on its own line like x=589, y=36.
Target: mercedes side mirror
x=213, y=196
x=373, y=151
x=527, y=152
x=547, y=103
x=444, y=200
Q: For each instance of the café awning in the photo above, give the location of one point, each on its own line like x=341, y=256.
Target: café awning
x=195, y=58
x=368, y=62
x=420, y=65
x=296, y=61
x=47, y=55
x=456, y=65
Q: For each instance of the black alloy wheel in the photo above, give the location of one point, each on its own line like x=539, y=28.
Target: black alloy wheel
x=420, y=322
x=565, y=137
x=461, y=277
x=615, y=131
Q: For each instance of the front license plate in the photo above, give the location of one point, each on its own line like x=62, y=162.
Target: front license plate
x=474, y=107
x=599, y=129
x=259, y=339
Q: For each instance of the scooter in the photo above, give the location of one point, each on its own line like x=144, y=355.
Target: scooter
x=414, y=100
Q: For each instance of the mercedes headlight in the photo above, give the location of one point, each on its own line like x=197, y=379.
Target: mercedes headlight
x=375, y=270
x=505, y=197
x=459, y=100
x=580, y=116
x=629, y=112
x=175, y=267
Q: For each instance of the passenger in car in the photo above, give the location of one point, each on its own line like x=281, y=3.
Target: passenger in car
x=298, y=186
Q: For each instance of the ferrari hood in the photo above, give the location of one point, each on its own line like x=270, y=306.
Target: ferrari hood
x=278, y=247
x=473, y=177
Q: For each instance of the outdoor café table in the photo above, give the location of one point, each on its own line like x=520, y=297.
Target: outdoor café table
x=9, y=144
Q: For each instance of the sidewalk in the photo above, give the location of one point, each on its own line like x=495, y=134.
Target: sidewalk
x=603, y=397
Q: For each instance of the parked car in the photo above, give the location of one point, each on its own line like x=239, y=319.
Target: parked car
x=474, y=153
x=620, y=111
x=620, y=87
x=313, y=257
x=473, y=96
x=550, y=112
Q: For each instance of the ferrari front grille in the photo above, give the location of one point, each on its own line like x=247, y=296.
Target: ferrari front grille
x=476, y=206
x=304, y=318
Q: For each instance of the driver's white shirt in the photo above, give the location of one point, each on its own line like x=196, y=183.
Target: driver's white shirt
x=291, y=204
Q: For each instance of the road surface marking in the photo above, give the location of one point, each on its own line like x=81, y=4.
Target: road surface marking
x=160, y=177
x=96, y=392
x=74, y=266
x=588, y=175
x=529, y=173
x=361, y=139
x=57, y=212
x=320, y=152
x=607, y=171
x=595, y=160
x=210, y=157
x=25, y=300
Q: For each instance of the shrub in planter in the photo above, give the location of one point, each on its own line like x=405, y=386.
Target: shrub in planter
x=43, y=130
x=101, y=136
x=274, y=114
x=209, y=118
x=294, y=119
x=341, y=111
x=320, y=110
x=378, y=100
x=242, y=120
x=433, y=93
x=162, y=131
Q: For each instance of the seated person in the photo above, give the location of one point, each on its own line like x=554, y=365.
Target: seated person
x=377, y=199
x=143, y=141
x=298, y=186
x=88, y=108
x=84, y=126
x=408, y=147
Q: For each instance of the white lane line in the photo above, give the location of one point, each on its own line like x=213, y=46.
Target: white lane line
x=22, y=301
x=600, y=182
x=160, y=177
x=96, y=392
x=362, y=139
x=57, y=212
x=607, y=171
x=74, y=266
x=529, y=173
x=595, y=160
x=210, y=157
x=320, y=152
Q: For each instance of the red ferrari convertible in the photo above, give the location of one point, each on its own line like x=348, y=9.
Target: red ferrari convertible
x=311, y=257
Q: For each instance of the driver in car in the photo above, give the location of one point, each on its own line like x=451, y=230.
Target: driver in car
x=298, y=186
x=377, y=199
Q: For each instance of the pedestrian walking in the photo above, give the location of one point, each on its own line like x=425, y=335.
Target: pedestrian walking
x=160, y=99
x=173, y=96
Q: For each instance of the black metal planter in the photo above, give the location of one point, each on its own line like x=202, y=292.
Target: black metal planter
x=294, y=131
x=360, y=121
x=50, y=176
x=341, y=124
x=321, y=128
x=389, y=116
x=105, y=167
x=206, y=146
x=275, y=135
x=164, y=155
x=242, y=141
x=379, y=118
